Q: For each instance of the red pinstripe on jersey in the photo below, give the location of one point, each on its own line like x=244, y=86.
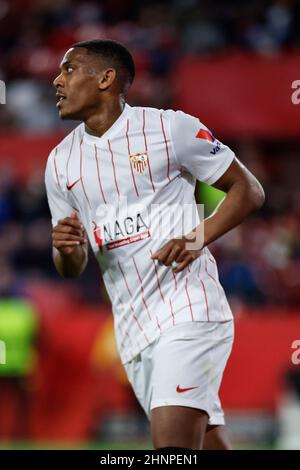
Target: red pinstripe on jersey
x=172, y=313
x=96, y=158
x=200, y=262
x=167, y=148
x=157, y=279
x=125, y=280
x=131, y=307
x=114, y=170
x=205, y=296
x=81, y=175
x=56, y=172
x=137, y=322
x=146, y=148
x=142, y=288
x=203, y=288
x=134, y=316
x=129, y=153
x=70, y=153
x=216, y=284
x=187, y=293
x=124, y=335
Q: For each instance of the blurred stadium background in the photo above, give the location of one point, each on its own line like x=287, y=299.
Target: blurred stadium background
x=231, y=63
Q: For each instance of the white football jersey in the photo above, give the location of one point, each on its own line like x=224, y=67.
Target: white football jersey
x=133, y=188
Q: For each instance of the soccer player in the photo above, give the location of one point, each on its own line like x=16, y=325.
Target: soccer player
x=173, y=325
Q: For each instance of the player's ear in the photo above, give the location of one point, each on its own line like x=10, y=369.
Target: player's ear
x=106, y=78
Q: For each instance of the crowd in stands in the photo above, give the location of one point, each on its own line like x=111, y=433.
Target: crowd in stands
x=34, y=34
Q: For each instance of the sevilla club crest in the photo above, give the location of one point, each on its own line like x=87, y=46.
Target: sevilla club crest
x=139, y=161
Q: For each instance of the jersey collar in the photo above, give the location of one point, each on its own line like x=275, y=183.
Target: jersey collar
x=117, y=125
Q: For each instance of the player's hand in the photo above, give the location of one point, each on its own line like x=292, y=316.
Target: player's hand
x=68, y=234
x=175, y=250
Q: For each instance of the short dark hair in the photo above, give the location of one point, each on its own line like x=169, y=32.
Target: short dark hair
x=117, y=55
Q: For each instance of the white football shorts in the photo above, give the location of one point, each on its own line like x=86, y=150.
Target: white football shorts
x=184, y=367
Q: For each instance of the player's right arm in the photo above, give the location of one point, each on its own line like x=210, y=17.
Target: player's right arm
x=70, y=248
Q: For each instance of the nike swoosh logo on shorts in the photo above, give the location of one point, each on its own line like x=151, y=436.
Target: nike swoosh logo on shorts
x=69, y=187
x=181, y=390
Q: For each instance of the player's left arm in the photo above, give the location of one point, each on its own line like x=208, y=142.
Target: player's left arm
x=244, y=194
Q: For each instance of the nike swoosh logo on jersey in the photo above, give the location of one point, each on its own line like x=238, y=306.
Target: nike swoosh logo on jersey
x=69, y=187
x=181, y=390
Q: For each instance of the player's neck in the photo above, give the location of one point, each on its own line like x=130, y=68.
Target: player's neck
x=100, y=122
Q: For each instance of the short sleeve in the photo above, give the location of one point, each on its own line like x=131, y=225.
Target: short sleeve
x=197, y=150
x=58, y=205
